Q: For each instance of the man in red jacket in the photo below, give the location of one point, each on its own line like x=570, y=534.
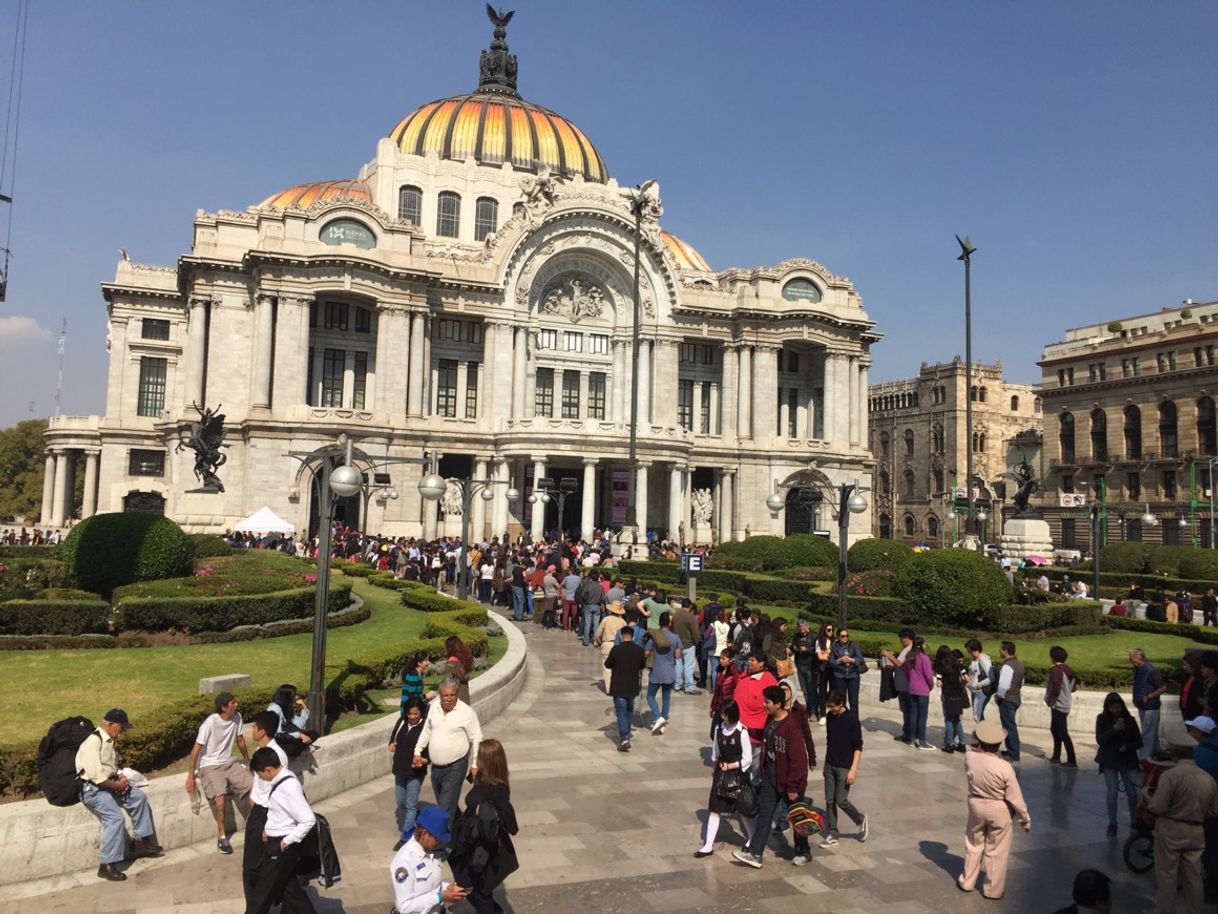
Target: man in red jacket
x=749, y=696
x=784, y=774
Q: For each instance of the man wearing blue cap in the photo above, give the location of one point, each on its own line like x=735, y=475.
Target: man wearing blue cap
x=418, y=885
x=106, y=793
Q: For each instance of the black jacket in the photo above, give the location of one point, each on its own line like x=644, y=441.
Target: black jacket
x=626, y=661
x=404, y=738
x=1118, y=737
x=483, y=853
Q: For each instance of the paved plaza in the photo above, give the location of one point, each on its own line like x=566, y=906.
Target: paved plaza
x=603, y=831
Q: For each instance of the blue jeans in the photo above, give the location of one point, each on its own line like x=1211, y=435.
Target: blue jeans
x=980, y=700
x=652, y=688
x=1006, y=714
x=517, y=603
x=1112, y=778
x=484, y=590
x=589, y=618
x=108, y=807
x=685, y=670
x=528, y=596
x=406, y=793
x=624, y=709
x=953, y=730
x=850, y=688
x=446, y=784
x=919, y=707
x=906, y=717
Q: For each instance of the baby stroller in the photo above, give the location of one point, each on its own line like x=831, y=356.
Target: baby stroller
x=1139, y=851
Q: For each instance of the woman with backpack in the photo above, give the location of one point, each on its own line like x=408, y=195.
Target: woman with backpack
x=953, y=697
x=1119, y=739
x=483, y=854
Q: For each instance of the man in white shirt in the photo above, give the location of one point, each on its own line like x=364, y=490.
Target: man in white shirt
x=418, y=884
x=289, y=819
x=263, y=728
x=219, y=773
x=451, y=733
x=106, y=793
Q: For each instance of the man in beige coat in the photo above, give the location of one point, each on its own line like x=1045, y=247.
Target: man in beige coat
x=606, y=633
x=1185, y=796
x=994, y=800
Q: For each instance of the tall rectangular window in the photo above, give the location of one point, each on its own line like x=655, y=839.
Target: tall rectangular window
x=333, y=364
x=572, y=341
x=1133, y=530
x=1172, y=532
x=486, y=217
x=448, y=215
x=410, y=204
x=446, y=388
x=1069, y=535
x=705, y=408
x=1169, y=484
x=146, y=463
x=598, y=343
x=792, y=412
x=1133, y=486
x=543, y=398
x=570, y=394
x=155, y=329
x=547, y=339
x=792, y=361
x=336, y=315
x=708, y=354
x=471, y=390
x=688, y=352
x=596, y=395
x=363, y=320
x=685, y=404
x=359, y=389
x=152, y=387
x=311, y=379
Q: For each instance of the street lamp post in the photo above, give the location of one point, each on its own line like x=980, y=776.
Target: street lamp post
x=1093, y=511
x=1210, y=480
x=981, y=519
x=632, y=520
x=433, y=486
x=966, y=253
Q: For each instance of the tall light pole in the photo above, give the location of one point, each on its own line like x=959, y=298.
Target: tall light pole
x=637, y=202
x=966, y=253
x=1210, y=480
x=1094, y=510
x=433, y=486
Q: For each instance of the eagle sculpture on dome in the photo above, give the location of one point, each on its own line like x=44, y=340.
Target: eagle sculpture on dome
x=499, y=19
x=497, y=67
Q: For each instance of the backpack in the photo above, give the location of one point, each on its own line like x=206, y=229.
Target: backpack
x=57, y=776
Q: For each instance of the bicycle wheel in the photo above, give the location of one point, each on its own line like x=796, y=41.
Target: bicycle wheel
x=1139, y=851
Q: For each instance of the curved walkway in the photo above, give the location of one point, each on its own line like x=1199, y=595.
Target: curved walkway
x=610, y=832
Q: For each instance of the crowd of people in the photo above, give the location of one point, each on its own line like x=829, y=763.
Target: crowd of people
x=15, y=536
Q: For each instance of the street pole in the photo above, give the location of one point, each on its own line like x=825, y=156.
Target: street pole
x=463, y=555
x=843, y=532
x=321, y=596
x=1095, y=551
x=966, y=253
x=632, y=519
x=1212, y=461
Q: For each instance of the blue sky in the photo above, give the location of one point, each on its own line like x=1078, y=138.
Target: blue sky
x=1075, y=142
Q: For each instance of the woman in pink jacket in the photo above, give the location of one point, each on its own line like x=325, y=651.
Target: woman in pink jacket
x=921, y=675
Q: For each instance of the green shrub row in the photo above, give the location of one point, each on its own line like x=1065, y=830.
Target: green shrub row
x=1171, y=561
x=769, y=552
x=56, y=642
x=208, y=545
x=54, y=617
x=23, y=578
x=1119, y=582
x=762, y=587
x=218, y=614
x=1198, y=633
x=876, y=554
x=31, y=552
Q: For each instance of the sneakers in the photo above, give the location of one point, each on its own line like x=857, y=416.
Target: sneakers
x=864, y=829
x=925, y=747
x=960, y=747
x=829, y=841
x=820, y=721
x=799, y=860
x=623, y=746
x=223, y=845
x=659, y=724
x=748, y=859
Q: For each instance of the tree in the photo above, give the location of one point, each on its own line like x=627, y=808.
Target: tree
x=22, y=463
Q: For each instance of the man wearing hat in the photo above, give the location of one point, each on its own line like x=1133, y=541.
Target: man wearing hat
x=213, y=765
x=418, y=884
x=606, y=633
x=106, y=793
x=994, y=800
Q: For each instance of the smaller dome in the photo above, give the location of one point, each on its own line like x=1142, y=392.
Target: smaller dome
x=306, y=195
x=685, y=255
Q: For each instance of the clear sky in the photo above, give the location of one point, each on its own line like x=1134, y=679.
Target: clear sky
x=1075, y=142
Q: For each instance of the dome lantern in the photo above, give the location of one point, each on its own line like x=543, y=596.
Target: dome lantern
x=497, y=67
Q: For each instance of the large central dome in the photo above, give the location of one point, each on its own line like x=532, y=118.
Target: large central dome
x=495, y=125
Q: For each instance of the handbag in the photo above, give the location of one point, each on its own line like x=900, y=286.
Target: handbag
x=785, y=667
x=729, y=784
x=746, y=802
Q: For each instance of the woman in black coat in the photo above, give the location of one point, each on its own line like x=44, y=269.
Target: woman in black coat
x=483, y=854
x=1119, y=739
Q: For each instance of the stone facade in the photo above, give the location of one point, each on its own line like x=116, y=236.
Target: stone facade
x=468, y=297
x=918, y=433
x=1129, y=422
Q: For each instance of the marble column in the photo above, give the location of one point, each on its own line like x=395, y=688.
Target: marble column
x=48, y=490
x=726, y=514
x=784, y=415
x=744, y=393
x=65, y=488
x=520, y=353
x=729, y=385
x=477, y=510
x=664, y=385
x=699, y=429
x=196, y=349
x=863, y=417
x=645, y=382
x=765, y=392
x=829, y=400
x=841, y=391
x=89, y=506
x=587, y=492
x=392, y=352
x=429, y=388
x=500, y=506
x=291, y=368
x=121, y=373
x=852, y=386
x=264, y=341
x=418, y=367
x=713, y=427
x=676, y=500
x=620, y=381
x=640, y=499
x=537, y=525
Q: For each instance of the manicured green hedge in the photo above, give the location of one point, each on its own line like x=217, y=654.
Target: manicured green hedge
x=208, y=545
x=217, y=614
x=1120, y=582
x=875, y=554
x=946, y=584
x=106, y=551
x=1198, y=633
x=31, y=552
x=768, y=552
x=54, y=617
x=355, y=570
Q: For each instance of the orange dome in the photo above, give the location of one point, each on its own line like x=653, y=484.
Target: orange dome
x=495, y=127
x=305, y=195
x=685, y=255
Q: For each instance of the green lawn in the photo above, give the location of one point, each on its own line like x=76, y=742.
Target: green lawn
x=50, y=685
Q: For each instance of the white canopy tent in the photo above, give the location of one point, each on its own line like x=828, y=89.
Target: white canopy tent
x=264, y=520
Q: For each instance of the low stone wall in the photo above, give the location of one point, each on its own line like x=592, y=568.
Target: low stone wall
x=40, y=840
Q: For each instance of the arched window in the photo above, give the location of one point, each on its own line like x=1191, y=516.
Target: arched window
x=1207, y=432
x=937, y=439
x=909, y=442
x=972, y=394
x=885, y=527
x=1099, y=434
x=410, y=204
x=910, y=484
x=932, y=527
x=1014, y=402
x=448, y=216
x=885, y=483
x=1066, y=437
x=915, y=399
x=1169, y=443
x=486, y=217
x=1133, y=432
x=938, y=477
x=1036, y=405
x=982, y=395
x=910, y=526
x=885, y=444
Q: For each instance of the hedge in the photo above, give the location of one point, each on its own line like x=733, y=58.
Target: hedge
x=31, y=552
x=208, y=545
x=106, y=551
x=777, y=552
x=876, y=554
x=23, y=578
x=223, y=613
x=1121, y=581
x=947, y=584
x=54, y=617
x=1198, y=633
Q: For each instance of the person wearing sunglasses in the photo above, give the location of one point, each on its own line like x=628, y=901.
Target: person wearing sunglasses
x=846, y=662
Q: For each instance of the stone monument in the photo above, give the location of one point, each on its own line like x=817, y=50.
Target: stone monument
x=702, y=504
x=1026, y=532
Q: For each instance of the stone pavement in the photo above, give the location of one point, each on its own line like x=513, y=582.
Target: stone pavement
x=603, y=831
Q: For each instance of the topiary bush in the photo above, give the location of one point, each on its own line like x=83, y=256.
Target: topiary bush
x=208, y=545
x=875, y=554
x=763, y=553
x=106, y=551
x=1167, y=560
x=1200, y=564
x=1125, y=558
x=946, y=585
x=809, y=549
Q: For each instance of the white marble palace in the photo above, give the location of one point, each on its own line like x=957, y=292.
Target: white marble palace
x=471, y=294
